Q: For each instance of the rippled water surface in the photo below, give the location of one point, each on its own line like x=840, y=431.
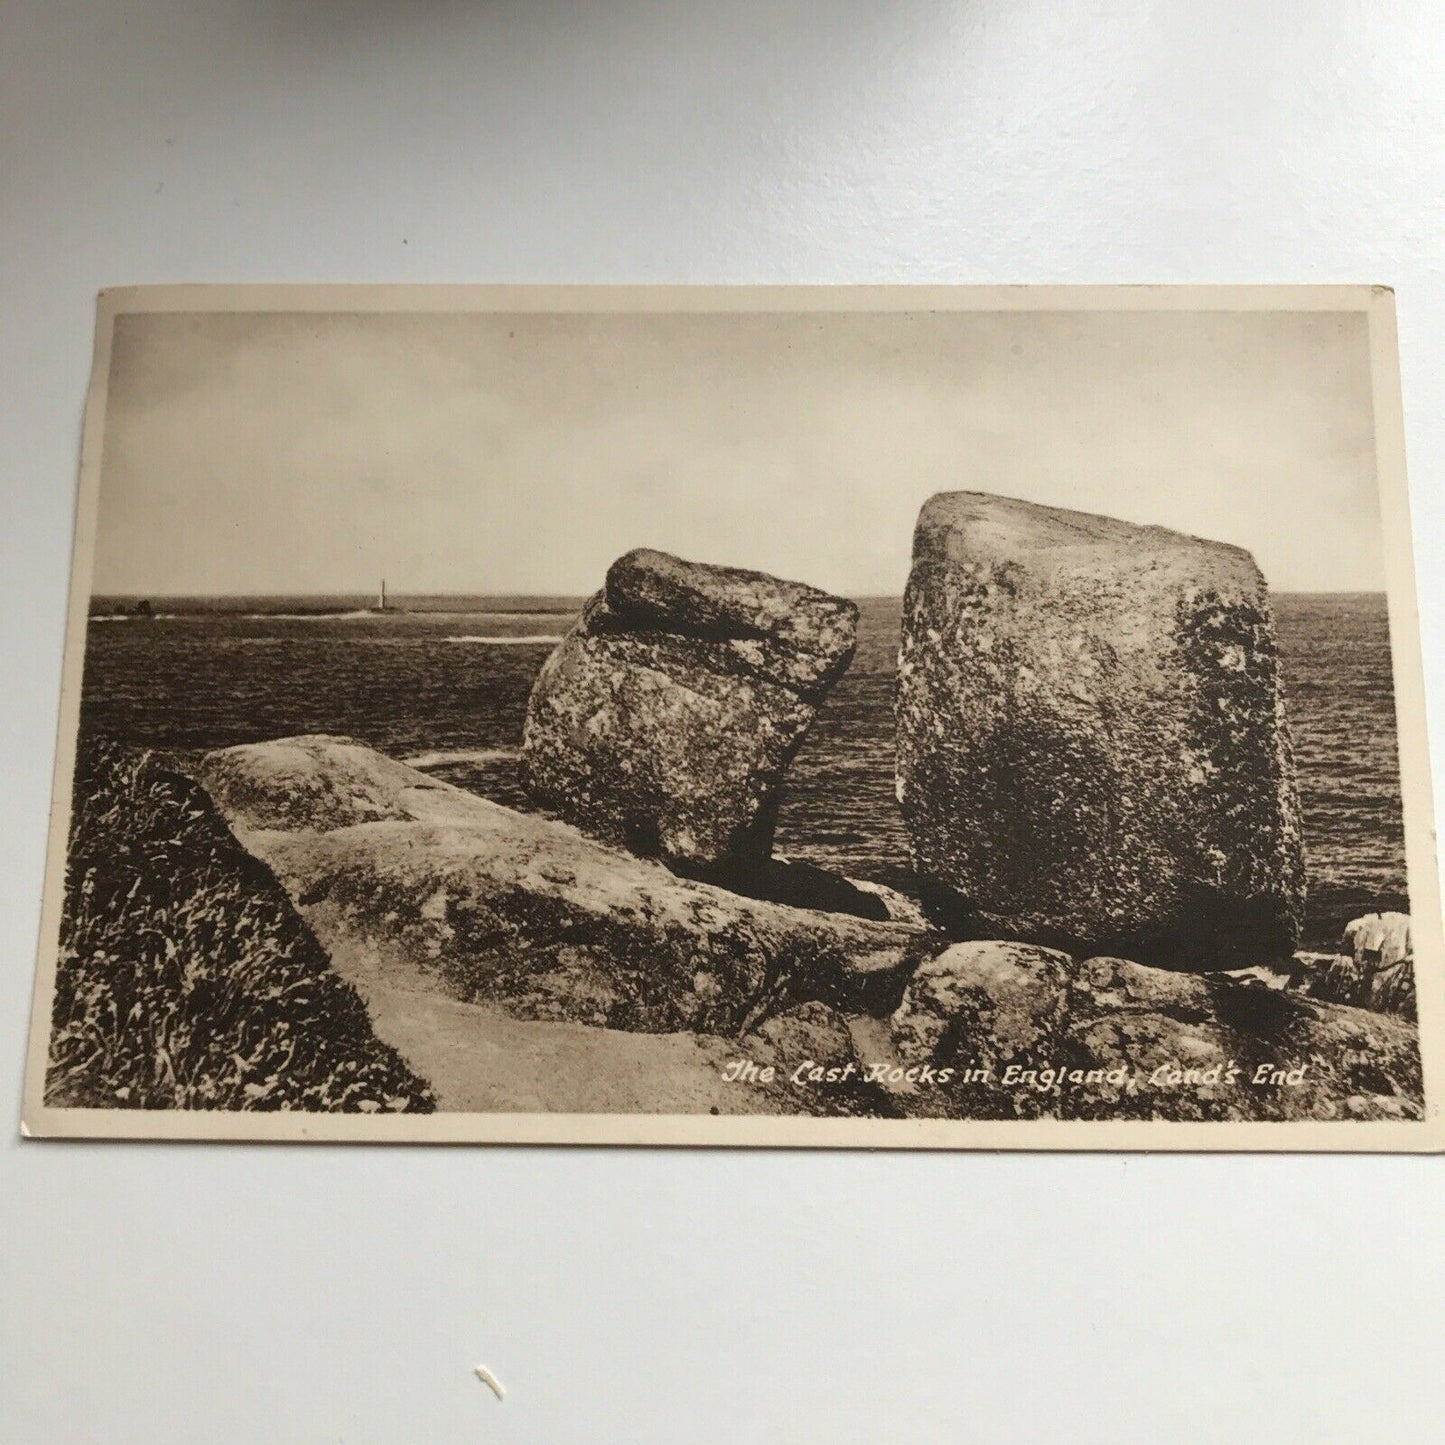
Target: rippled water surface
x=446, y=681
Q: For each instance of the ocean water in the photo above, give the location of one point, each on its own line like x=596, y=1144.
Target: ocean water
x=445, y=683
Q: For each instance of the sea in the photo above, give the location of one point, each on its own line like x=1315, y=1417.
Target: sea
x=443, y=682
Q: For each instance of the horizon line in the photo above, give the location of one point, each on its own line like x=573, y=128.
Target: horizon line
x=857, y=596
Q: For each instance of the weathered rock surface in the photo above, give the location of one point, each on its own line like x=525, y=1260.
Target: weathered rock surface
x=1111, y=1039
x=991, y=1002
x=665, y=721
x=1374, y=967
x=478, y=1058
x=396, y=870
x=1092, y=745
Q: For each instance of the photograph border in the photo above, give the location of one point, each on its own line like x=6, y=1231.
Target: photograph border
x=1376, y=302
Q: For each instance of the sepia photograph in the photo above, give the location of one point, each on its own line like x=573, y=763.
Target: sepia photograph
x=799, y=717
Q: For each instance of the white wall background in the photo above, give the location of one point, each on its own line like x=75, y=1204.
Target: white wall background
x=244, y=1294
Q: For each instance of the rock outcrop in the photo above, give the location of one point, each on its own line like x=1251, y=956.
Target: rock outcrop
x=503, y=907
x=1374, y=967
x=666, y=719
x=515, y=963
x=1028, y=1033
x=1092, y=745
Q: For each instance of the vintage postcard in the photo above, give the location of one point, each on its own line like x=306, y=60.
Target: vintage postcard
x=886, y=717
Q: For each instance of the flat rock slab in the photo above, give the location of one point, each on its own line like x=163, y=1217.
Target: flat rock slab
x=489, y=905
x=1030, y=1033
x=478, y=1058
x=666, y=719
x=476, y=934
x=1092, y=745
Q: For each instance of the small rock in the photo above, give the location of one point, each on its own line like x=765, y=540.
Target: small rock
x=1374, y=967
x=804, y=885
x=1380, y=940
x=986, y=1002
x=897, y=906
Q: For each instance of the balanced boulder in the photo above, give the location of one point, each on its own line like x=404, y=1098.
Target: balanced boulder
x=665, y=720
x=1092, y=746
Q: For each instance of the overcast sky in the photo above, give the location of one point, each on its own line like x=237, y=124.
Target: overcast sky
x=291, y=452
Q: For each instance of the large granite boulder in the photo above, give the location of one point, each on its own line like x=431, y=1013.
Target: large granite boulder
x=1026, y=1032
x=402, y=873
x=665, y=721
x=1092, y=745
x=1374, y=967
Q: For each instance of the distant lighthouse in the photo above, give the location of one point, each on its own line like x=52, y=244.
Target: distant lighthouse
x=381, y=605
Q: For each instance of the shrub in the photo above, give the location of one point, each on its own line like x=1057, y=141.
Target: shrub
x=185, y=978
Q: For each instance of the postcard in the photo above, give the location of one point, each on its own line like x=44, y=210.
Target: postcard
x=865, y=717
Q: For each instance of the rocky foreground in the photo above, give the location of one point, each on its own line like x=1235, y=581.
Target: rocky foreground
x=516, y=963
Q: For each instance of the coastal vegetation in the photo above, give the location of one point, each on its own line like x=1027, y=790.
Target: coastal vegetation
x=185, y=979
